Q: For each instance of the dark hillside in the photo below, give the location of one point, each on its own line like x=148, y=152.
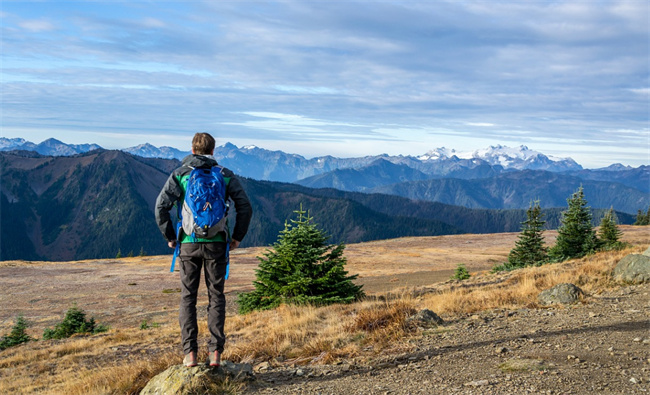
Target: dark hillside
x=343, y=219
x=466, y=219
x=78, y=207
x=95, y=204
x=517, y=189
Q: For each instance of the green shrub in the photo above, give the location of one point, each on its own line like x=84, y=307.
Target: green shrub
x=461, y=273
x=73, y=322
x=17, y=335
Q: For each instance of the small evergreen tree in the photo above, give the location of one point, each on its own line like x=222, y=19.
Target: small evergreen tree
x=576, y=236
x=529, y=250
x=17, y=335
x=461, y=273
x=119, y=253
x=642, y=218
x=301, y=269
x=609, y=233
x=73, y=322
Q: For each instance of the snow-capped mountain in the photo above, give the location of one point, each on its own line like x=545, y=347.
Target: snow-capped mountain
x=518, y=158
x=16, y=144
x=50, y=147
x=262, y=164
x=149, y=151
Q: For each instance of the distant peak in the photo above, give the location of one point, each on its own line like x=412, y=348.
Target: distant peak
x=438, y=153
x=52, y=140
x=229, y=145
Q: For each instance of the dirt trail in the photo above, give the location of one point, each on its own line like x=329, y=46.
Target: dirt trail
x=602, y=346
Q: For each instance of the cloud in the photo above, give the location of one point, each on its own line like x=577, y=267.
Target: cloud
x=37, y=26
x=513, y=72
x=481, y=124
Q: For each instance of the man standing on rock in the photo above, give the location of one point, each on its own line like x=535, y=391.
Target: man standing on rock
x=210, y=253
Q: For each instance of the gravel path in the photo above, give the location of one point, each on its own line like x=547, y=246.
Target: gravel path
x=601, y=346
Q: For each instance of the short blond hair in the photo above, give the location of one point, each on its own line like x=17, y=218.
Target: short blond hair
x=203, y=144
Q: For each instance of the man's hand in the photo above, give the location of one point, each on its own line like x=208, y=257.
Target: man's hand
x=234, y=244
x=172, y=244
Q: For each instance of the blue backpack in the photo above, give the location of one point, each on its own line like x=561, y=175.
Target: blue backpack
x=204, y=210
x=204, y=207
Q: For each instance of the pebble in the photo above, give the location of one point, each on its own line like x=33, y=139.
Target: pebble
x=477, y=383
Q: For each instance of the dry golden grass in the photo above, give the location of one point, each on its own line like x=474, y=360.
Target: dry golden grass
x=124, y=359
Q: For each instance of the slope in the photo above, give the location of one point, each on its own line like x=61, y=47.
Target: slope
x=518, y=189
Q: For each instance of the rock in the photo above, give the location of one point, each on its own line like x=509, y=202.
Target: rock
x=633, y=268
x=477, y=383
x=562, y=293
x=425, y=318
x=647, y=252
x=262, y=367
x=179, y=379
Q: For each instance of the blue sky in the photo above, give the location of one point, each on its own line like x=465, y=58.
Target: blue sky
x=346, y=78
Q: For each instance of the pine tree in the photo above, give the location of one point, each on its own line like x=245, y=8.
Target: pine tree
x=642, y=218
x=529, y=250
x=17, y=335
x=609, y=233
x=576, y=236
x=301, y=269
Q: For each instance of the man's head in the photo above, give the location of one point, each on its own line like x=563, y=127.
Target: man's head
x=203, y=144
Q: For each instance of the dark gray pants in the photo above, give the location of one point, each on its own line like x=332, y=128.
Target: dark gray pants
x=212, y=257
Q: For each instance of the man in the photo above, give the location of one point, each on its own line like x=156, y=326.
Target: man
x=196, y=253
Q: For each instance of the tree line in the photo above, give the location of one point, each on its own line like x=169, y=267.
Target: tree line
x=576, y=236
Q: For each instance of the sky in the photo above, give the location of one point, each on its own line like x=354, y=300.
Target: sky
x=342, y=78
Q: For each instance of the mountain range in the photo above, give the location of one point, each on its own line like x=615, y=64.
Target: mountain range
x=496, y=177
x=625, y=190
x=94, y=204
x=262, y=164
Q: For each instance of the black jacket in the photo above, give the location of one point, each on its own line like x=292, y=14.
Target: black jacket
x=174, y=191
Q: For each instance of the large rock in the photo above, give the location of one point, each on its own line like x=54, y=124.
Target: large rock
x=425, y=318
x=647, y=252
x=633, y=268
x=562, y=293
x=178, y=379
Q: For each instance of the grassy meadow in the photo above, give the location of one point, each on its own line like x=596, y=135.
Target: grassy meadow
x=138, y=297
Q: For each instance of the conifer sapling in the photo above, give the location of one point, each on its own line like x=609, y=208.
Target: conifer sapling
x=576, y=236
x=529, y=250
x=301, y=269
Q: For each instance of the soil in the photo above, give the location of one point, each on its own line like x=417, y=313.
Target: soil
x=600, y=346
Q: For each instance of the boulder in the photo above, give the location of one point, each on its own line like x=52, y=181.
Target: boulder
x=562, y=293
x=647, y=252
x=425, y=318
x=633, y=268
x=179, y=379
